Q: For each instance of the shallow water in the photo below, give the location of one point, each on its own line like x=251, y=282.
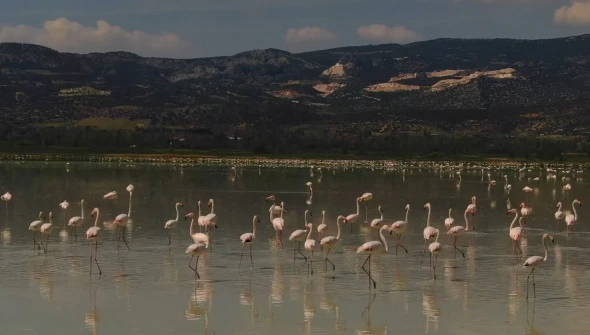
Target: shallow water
x=151, y=290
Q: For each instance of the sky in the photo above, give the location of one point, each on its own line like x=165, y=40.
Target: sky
x=202, y=28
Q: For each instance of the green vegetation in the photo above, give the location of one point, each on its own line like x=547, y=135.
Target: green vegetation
x=81, y=91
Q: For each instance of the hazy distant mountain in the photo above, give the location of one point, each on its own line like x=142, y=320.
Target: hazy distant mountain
x=446, y=85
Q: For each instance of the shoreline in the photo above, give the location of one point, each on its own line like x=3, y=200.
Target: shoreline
x=233, y=158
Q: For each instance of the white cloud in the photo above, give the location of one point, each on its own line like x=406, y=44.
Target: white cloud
x=309, y=35
x=383, y=33
x=65, y=35
x=577, y=13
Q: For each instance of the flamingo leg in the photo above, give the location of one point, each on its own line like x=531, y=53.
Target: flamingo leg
x=517, y=243
x=455, y=246
x=527, y=282
x=95, y=260
x=251, y=261
x=75, y=234
x=241, y=255
x=369, y=272
x=299, y=251
x=90, y=258
x=327, y=260
x=310, y=264
x=46, y=243
x=169, y=238
x=400, y=243
x=191, y=262
x=281, y=239
x=123, y=234
x=434, y=265
x=197, y=266
x=423, y=253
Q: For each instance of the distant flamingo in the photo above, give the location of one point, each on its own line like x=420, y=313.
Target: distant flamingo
x=490, y=181
x=130, y=189
x=196, y=249
x=120, y=223
x=457, y=231
x=276, y=210
x=374, y=247
x=201, y=219
x=299, y=236
x=171, y=224
x=400, y=227
x=366, y=197
x=525, y=211
x=34, y=227
x=570, y=219
x=559, y=215
x=64, y=205
x=515, y=232
x=328, y=242
x=472, y=207
x=428, y=233
x=247, y=238
x=197, y=237
x=322, y=227
x=278, y=224
x=77, y=221
x=449, y=221
x=434, y=248
x=211, y=218
x=111, y=195
x=376, y=223
x=92, y=234
x=46, y=230
x=534, y=262
x=351, y=218
x=310, y=246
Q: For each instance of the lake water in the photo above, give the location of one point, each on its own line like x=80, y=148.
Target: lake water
x=151, y=290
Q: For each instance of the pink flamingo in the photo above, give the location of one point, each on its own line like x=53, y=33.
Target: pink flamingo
x=515, y=232
x=247, y=238
x=322, y=227
x=374, y=247
x=171, y=224
x=351, y=218
x=197, y=237
x=559, y=215
x=534, y=262
x=92, y=234
x=77, y=221
x=449, y=221
x=571, y=219
x=46, y=229
x=429, y=232
x=201, y=219
x=434, y=248
x=309, y=245
x=400, y=227
x=376, y=223
x=196, y=249
x=299, y=237
x=121, y=223
x=457, y=231
x=34, y=227
x=328, y=242
x=525, y=211
x=278, y=224
x=472, y=207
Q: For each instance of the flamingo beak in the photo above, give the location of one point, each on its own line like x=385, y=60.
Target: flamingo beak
x=390, y=232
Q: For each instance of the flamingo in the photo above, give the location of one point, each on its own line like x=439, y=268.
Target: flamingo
x=515, y=232
x=46, y=230
x=570, y=219
x=196, y=249
x=328, y=242
x=472, y=207
x=428, y=233
x=276, y=210
x=77, y=221
x=278, y=224
x=201, y=219
x=376, y=223
x=534, y=262
x=6, y=197
x=64, y=205
x=322, y=227
x=247, y=238
x=490, y=180
x=449, y=221
x=374, y=247
x=299, y=236
x=111, y=195
x=527, y=189
x=434, y=248
x=92, y=234
x=559, y=213
x=34, y=227
x=353, y=217
x=525, y=211
x=197, y=237
x=309, y=245
x=171, y=224
x=130, y=189
x=211, y=218
x=400, y=227
x=457, y=231
x=366, y=197
x=121, y=222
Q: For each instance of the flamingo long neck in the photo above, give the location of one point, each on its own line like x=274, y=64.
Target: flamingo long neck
x=96, y=219
x=50, y=218
x=212, y=207
x=450, y=213
x=575, y=212
x=437, y=233
x=407, y=212
x=559, y=205
x=82, y=210
x=191, y=229
x=381, y=211
x=383, y=240
x=514, y=221
x=129, y=212
x=177, y=213
x=427, y=218
x=309, y=232
x=282, y=210
x=254, y=227
x=306, y=218
x=270, y=213
x=545, y=247
x=338, y=235
x=466, y=220
x=199, y=206
x=358, y=207
x=323, y=218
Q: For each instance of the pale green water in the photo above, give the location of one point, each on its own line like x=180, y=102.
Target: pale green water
x=152, y=291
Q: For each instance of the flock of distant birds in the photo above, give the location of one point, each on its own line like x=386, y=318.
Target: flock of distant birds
x=202, y=240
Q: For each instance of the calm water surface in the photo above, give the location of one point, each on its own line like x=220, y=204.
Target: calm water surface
x=151, y=290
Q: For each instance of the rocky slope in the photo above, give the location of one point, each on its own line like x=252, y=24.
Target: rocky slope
x=443, y=85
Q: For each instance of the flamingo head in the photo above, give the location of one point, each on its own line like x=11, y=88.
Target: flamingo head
x=558, y=204
x=323, y=213
x=130, y=188
x=308, y=225
x=6, y=196
x=189, y=215
x=282, y=204
x=407, y=208
x=579, y=202
x=270, y=198
x=255, y=219
x=549, y=236
x=94, y=212
x=427, y=205
x=522, y=205
x=473, y=199
x=380, y=209
x=210, y=203
x=511, y=211
x=179, y=204
x=199, y=203
x=342, y=218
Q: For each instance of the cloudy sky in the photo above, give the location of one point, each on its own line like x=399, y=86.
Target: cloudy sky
x=197, y=28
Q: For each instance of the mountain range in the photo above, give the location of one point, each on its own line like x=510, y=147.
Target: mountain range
x=454, y=86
